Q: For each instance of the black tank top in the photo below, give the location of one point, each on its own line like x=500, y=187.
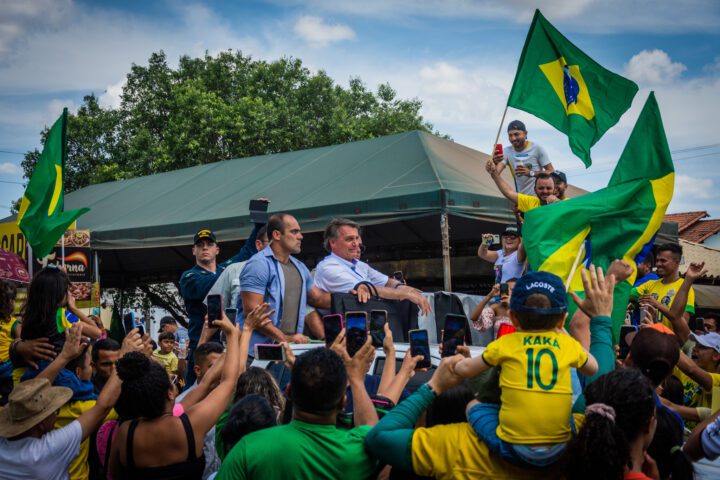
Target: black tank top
x=190, y=469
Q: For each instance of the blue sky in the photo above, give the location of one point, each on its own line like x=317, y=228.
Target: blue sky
x=458, y=56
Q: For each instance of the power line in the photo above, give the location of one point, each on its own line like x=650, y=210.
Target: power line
x=9, y=181
x=11, y=152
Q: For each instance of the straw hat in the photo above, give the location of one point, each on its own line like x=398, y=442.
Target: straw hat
x=29, y=404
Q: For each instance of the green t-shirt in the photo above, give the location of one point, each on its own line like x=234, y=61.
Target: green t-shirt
x=300, y=450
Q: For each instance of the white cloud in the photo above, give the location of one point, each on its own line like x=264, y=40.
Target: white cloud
x=111, y=96
x=8, y=168
x=317, y=32
x=713, y=67
x=577, y=16
x=21, y=18
x=653, y=67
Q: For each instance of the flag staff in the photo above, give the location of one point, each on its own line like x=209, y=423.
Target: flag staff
x=581, y=252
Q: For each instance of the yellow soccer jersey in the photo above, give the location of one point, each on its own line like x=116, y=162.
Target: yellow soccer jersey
x=536, y=384
x=527, y=202
x=6, y=337
x=694, y=394
x=664, y=294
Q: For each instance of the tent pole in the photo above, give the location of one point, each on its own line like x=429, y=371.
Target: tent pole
x=445, y=236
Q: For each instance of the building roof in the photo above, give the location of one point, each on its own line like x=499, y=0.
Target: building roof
x=685, y=219
x=700, y=231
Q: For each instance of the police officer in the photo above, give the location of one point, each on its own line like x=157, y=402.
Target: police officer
x=197, y=281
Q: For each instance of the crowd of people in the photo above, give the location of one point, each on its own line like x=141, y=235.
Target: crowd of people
x=552, y=396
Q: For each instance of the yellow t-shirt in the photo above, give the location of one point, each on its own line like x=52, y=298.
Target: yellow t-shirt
x=693, y=394
x=454, y=451
x=168, y=360
x=665, y=294
x=529, y=202
x=6, y=337
x=79, y=468
x=536, y=385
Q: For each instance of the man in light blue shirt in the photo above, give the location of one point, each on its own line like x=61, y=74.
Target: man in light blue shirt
x=342, y=270
x=274, y=276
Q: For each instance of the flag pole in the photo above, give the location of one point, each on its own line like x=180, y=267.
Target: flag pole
x=581, y=252
x=497, y=137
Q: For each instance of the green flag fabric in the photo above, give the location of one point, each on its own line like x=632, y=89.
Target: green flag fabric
x=560, y=84
x=41, y=217
x=617, y=222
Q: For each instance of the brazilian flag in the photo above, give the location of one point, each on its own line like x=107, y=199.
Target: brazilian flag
x=560, y=84
x=617, y=222
x=42, y=217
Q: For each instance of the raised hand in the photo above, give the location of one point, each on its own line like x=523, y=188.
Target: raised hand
x=695, y=271
x=598, y=293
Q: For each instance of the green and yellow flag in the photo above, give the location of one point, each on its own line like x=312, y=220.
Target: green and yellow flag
x=560, y=84
x=41, y=216
x=617, y=222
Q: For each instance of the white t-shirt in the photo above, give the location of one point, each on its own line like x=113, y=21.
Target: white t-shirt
x=228, y=285
x=507, y=267
x=337, y=275
x=534, y=155
x=46, y=458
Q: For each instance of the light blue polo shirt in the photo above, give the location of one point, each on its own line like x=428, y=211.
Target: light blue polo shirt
x=262, y=275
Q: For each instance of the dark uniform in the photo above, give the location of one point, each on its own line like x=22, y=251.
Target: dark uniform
x=195, y=284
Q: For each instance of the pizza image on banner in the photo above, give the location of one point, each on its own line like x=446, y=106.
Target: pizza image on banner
x=559, y=83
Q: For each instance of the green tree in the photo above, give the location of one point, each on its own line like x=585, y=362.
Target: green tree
x=216, y=108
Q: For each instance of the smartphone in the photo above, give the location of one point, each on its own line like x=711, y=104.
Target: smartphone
x=378, y=319
x=356, y=325
x=333, y=324
x=504, y=289
x=139, y=325
x=231, y=313
x=624, y=347
x=258, y=211
x=420, y=345
x=399, y=276
x=128, y=322
x=453, y=333
x=498, y=149
x=214, y=309
x=269, y=351
x=699, y=324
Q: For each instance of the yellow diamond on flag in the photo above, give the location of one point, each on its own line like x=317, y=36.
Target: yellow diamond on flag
x=568, y=83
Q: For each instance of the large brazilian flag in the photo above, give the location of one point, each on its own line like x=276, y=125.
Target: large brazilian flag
x=617, y=222
x=560, y=84
x=42, y=217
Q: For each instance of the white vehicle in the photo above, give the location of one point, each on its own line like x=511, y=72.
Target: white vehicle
x=282, y=373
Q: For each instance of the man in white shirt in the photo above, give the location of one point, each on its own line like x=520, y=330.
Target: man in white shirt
x=525, y=158
x=342, y=270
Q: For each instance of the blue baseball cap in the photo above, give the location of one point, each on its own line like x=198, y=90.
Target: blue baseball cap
x=543, y=283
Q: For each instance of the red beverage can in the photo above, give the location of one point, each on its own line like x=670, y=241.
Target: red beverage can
x=498, y=149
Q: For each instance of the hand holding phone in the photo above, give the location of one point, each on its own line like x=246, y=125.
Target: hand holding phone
x=333, y=324
x=378, y=319
x=140, y=325
x=356, y=326
x=258, y=210
x=453, y=334
x=498, y=150
x=420, y=345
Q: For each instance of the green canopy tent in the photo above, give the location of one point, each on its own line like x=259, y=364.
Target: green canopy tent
x=399, y=187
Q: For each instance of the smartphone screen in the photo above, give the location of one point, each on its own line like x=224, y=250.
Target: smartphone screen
x=214, y=308
x=128, y=322
x=333, y=324
x=378, y=319
x=139, y=325
x=355, y=331
x=420, y=345
x=258, y=211
x=504, y=289
x=624, y=347
x=269, y=352
x=231, y=313
x=453, y=334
